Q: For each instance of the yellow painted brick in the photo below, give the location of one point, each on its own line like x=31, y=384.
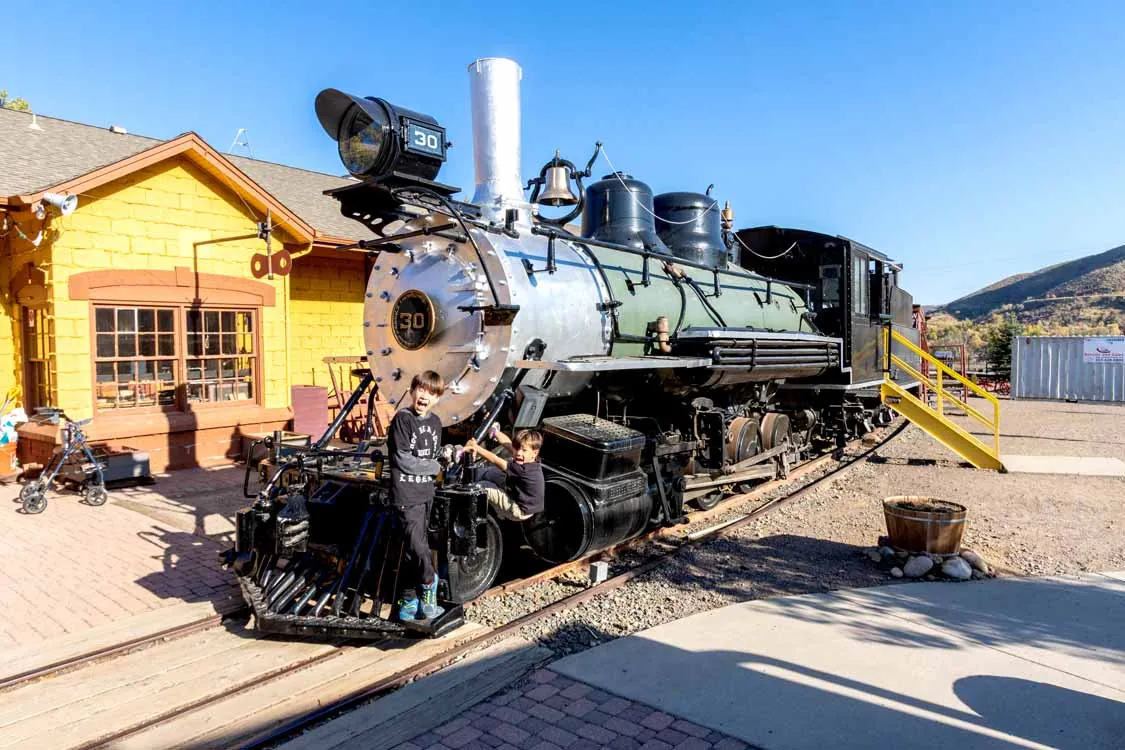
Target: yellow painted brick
x=192, y=202
x=161, y=231
x=113, y=242
x=149, y=213
x=74, y=238
x=127, y=227
x=115, y=209
x=64, y=307
x=165, y=198
x=98, y=259
x=61, y=257
x=146, y=245
x=91, y=222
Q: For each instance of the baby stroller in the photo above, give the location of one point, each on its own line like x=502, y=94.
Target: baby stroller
x=74, y=451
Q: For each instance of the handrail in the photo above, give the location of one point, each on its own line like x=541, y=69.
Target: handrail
x=889, y=335
x=936, y=386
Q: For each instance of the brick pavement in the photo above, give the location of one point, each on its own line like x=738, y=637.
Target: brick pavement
x=74, y=566
x=547, y=711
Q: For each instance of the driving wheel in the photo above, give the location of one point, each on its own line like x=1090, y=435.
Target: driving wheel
x=708, y=501
x=471, y=575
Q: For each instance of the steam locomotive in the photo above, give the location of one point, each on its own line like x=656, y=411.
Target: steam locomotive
x=666, y=358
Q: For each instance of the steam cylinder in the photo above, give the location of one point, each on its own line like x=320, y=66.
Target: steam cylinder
x=621, y=213
x=689, y=224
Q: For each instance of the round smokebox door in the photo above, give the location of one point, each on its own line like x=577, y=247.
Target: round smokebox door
x=413, y=319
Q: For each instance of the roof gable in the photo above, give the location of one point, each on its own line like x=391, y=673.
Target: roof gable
x=70, y=157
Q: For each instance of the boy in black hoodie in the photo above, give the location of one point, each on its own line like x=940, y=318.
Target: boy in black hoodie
x=414, y=442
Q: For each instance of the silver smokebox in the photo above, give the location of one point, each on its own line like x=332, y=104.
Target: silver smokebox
x=494, y=84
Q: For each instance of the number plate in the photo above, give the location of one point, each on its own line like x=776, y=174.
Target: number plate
x=424, y=139
x=413, y=319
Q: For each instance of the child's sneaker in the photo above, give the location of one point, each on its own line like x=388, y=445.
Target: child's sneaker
x=408, y=607
x=430, y=608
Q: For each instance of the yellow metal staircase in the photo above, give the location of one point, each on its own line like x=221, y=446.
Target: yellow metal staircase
x=933, y=420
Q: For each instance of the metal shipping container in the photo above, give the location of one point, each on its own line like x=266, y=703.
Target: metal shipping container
x=1071, y=368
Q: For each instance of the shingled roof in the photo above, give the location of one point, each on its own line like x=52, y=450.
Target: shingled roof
x=34, y=159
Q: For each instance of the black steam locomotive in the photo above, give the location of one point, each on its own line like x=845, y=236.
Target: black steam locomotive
x=666, y=359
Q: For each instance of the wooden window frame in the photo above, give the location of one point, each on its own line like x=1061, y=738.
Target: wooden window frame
x=181, y=404
x=181, y=287
x=255, y=357
x=136, y=357
x=40, y=337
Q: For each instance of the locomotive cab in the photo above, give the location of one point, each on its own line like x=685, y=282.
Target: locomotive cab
x=855, y=291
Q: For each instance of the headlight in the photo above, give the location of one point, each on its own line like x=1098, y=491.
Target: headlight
x=377, y=138
x=362, y=139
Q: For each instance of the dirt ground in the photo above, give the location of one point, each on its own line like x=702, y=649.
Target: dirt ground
x=1037, y=524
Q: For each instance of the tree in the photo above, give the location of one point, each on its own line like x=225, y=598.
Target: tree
x=18, y=103
x=998, y=346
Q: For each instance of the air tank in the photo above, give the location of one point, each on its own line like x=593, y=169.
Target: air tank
x=689, y=224
x=619, y=209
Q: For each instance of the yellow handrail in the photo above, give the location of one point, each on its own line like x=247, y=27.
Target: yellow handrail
x=890, y=335
x=935, y=386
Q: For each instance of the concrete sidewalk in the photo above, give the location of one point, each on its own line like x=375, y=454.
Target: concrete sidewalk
x=996, y=664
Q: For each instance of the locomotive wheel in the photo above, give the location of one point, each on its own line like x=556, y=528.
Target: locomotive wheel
x=472, y=575
x=742, y=439
x=34, y=502
x=708, y=501
x=775, y=430
x=96, y=494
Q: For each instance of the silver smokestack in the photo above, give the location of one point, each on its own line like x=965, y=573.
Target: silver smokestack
x=494, y=84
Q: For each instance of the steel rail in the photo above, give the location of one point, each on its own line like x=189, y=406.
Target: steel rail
x=118, y=649
x=207, y=700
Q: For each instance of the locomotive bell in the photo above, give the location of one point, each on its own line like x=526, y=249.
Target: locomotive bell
x=558, y=192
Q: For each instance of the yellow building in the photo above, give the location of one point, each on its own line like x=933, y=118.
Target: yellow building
x=152, y=307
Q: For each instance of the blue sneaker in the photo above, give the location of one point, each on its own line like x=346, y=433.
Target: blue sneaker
x=408, y=607
x=430, y=608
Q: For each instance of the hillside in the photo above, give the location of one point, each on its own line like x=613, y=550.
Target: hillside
x=1086, y=295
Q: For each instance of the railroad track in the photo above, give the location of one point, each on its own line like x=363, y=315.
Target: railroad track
x=118, y=649
x=337, y=676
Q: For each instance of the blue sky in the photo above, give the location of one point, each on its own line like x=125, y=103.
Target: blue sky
x=970, y=139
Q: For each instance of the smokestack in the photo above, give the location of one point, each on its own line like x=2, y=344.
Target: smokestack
x=494, y=84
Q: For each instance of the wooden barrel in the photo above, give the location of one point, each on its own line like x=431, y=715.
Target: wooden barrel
x=923, y=524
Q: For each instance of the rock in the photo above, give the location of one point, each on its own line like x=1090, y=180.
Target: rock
x=916, y=567
x=976, y=561
x=957, y=568
x=873, y=555
x=886, y=552
x=901, y=554
x=977, y=575
x=884, y=541
x=896, y=572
